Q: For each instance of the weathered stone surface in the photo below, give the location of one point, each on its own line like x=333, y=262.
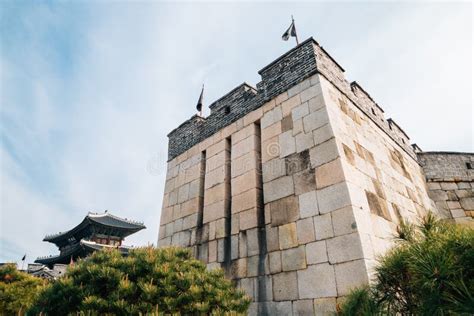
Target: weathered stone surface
x=304, y=181
x=273, y=169
x=293, y=259
x=287, y=144
x=323, y=153
x=239, y=268
x=304, y=142
x=329, y=174
x=300, y=111
x=286, y=124
x=323, y=226
x=252, y=266
x=303, y=307
x=308, y=204
x=275, y=261
x=316, y=252
x=278, y=189
x=284, y=211
x=246, y=200
x=248, y=219
x=285, y=286
x=271, y=117
x=344, y=248
x=287, y=236
x=315, y=120
x=322, y=134
x=350, y=275
x=272, y=238
x=343, y=221
x=317, y=281
x=252, y=242
x=333, y=198
x=244, y=182
x=290, y=104
x=305, y=231
x=325, y=306
x=467, y=204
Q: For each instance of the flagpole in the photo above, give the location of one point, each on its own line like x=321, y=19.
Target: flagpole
x=296, y=33
x=200, y=112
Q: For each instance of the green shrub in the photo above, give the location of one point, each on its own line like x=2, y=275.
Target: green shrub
x=430, y=272
x=146, y=281
x=18, y=290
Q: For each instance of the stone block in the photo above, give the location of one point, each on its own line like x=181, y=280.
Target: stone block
x=298, y=127
x=215, y=194
x=458, y=213
x=252, y=266
x=286, y=123
x=308, y=204
x=287, y=236
x=271, y=131
x=316, y=252
x=278, y=188
x=246, y=200
x=214, y=211
x=315, y=120
x=183, y=193
x=234, y=247
x=273, y=169
x=304, y=141
x=244, y=146
x=288, y=105
x=434, y=186
x=252, y=242
x=271, y=117
x=323, y=226
x=329, y=173
x=244, y=182
x=304, y=181
x=220, y=227
x=467, y=204
x=244, y=164
x=317, y=281
x=239, y=268
x=343, y=221
x=284, y=211
x=438, y=195
x=285, y=286
x=214, y=177
x=350, y=275
x=212, y=251
x=297, y=162
x=448, y=186
x=311, y=92
x=323, y=153
x=305, y=231
x=325, y=306
x=322, y=134
x=303, y=307
x=234, y=224
x=316, y=103
x=270, y=149
x=333, y=198
x=272, y=238
x=194, y=188
x=293, y=259
x=248, y=219
x=243, y=244
x=300, y=111
x=287, y=144
x=263, y=286
x=344, y=248
x=275, y=261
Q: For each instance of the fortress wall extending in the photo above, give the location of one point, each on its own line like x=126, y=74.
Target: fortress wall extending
x=450, y=178
x=293, y=188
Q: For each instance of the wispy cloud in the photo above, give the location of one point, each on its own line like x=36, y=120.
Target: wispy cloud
x=89, y=91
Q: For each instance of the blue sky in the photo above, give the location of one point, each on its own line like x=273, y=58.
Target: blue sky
x=89, y=90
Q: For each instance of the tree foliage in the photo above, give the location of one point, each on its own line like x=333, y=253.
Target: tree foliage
x=430, y=272
x=18, y=290
x=148, y=280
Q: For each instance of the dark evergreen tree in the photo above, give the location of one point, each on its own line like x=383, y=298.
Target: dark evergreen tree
x=147, y=281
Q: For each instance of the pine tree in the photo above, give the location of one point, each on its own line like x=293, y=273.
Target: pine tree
x=148, y=280
x=430, y=272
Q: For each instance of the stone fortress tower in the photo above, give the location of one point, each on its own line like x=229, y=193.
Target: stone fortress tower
x=296, y=186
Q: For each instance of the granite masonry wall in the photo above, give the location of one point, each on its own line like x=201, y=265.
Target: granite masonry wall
x=450, y=179
x=293, y=188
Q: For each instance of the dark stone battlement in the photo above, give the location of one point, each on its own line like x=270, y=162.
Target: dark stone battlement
x=298, y=64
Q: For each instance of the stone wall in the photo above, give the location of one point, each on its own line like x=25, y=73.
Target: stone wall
x=450, y=179
x=292, y=188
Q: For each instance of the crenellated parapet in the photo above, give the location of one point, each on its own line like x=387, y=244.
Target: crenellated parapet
x=287, y=71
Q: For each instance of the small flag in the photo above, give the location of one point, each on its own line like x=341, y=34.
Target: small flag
x=199, y=104
x=291, y=31
x=24, y=258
